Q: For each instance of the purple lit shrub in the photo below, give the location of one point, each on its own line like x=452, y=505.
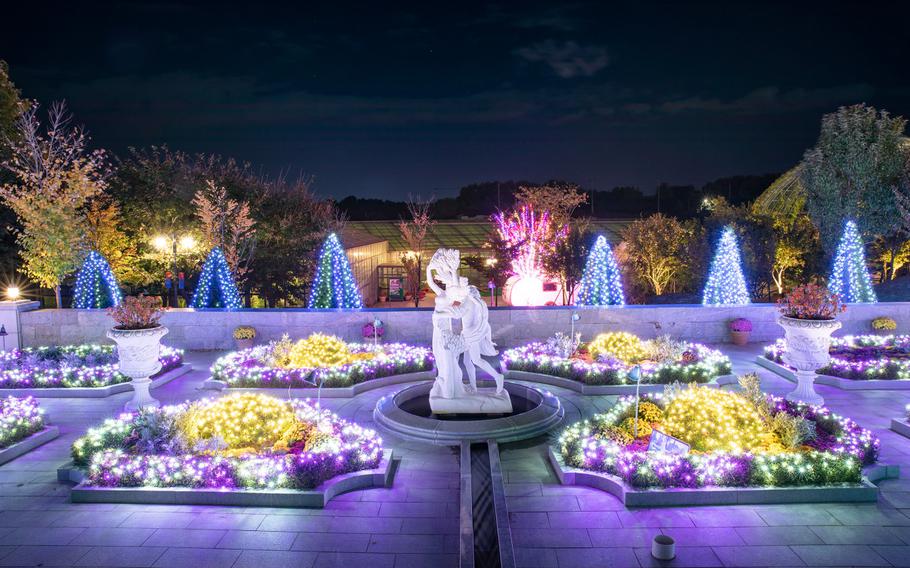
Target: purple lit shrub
x=860, y=357
x=70, y=366
x=252, y=368
x=697, y=363
x=836, y=454
x=114, y=459
x=19, y=419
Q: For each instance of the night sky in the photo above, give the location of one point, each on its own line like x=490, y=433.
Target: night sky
x=386, y=99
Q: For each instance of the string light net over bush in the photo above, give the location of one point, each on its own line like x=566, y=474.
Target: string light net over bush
x=96, y=285
x=601, y=284
x=726, y=285
x=334, y=286
x=216, y=287
x=849, y=276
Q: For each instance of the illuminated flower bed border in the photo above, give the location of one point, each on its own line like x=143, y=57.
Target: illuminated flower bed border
x=857, y=362
x=248, y=368
x=831, y=471
x=311, y=477
x=41, y=370
x=22, y=427
x=710, y=364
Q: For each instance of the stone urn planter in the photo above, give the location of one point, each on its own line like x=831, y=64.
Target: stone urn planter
x=808, y=342
x=138, y=352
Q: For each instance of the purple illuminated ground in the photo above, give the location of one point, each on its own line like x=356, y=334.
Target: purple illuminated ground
x=416, y=522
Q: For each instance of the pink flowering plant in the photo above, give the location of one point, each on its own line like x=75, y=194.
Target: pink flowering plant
x=740, y=324
x=137, y=312
x=811, y=302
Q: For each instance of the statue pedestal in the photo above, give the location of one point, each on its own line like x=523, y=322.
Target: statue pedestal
x=484, y=401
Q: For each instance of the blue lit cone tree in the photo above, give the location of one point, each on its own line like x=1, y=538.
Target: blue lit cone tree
x=216, y=287
x=601, y=283
x=726, y=285
x=334, y=285
x=849, y=276
x=96, y=285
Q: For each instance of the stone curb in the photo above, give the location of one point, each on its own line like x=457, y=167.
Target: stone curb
x=26, y=445
x=96, y=392
x=902, y=427
x=836, y=382
x=608, y=390
x=381, y=476
x=331, y=392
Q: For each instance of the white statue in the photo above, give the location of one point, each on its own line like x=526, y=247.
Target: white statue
x=461, y=304
x=476, y=330
x=447, y=344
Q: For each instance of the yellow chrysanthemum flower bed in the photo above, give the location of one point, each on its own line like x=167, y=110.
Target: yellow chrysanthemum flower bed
x=320, y=350
x=240, y=421
x=712, y=419
x=625, y=346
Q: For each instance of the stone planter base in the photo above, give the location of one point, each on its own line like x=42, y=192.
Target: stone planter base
x=381, y=476
x=607, y=390
x=96, y=392
x=831, y=381
x=864, y=492
x=333, y=392
x=902, y=427
x=26, y=445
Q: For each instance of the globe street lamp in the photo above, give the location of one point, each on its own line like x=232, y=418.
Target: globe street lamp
x=174, y=244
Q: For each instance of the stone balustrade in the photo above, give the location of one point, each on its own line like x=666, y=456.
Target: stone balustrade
x=211, y=329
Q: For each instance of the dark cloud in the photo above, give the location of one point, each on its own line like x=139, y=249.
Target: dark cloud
x=567, y=59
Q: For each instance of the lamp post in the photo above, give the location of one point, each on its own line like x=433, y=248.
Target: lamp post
x=635, y=375
x=172, y=243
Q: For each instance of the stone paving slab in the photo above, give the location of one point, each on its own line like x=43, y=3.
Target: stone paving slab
x=374, y=527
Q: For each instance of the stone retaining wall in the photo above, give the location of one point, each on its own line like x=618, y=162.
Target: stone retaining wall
x=211, y=329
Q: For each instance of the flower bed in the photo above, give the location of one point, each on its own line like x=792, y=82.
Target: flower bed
x=19, y=419
x=241, y=441
x=736, y=440
x=70, y=366
x=609, y=361
x=860, y=357
x=318, y=360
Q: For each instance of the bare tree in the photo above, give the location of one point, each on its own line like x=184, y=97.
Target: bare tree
x=414, y=232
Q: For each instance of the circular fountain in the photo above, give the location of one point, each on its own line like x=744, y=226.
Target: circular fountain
x=408, y=414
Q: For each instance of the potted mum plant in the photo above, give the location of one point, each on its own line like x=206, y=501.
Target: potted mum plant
x=138, y=334
x=884, y=325
x=809, y=317
x=244, y=335
x=740, y=329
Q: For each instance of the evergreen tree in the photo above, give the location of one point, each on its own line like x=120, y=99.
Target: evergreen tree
x=334, y=286
x=849, y=276
x=726, y=285
x=216, y=287
x=96, y=285
x=601, y=284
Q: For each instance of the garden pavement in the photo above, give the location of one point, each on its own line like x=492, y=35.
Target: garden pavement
x=415, y=523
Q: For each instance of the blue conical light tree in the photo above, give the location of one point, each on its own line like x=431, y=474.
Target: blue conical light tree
x=334, y=285
x=96, y=285
x=849, y=276
x=601, y=284
x=726, y=285
x=216, y=287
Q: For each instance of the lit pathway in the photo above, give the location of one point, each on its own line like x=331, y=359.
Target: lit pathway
x=416, y=522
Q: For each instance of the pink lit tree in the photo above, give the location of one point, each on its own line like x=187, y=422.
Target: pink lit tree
x=528, y=234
